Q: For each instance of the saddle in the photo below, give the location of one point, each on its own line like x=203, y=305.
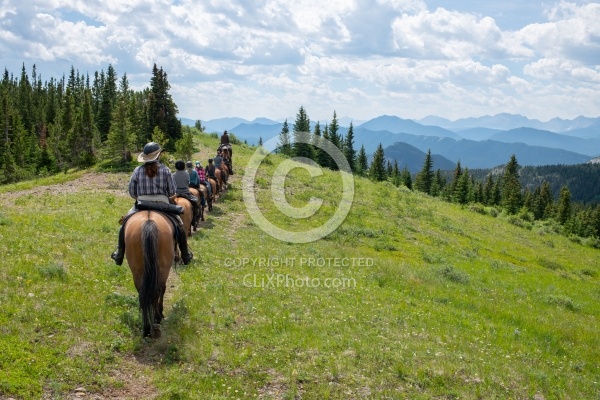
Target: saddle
x=171, y=211
x=155, y=206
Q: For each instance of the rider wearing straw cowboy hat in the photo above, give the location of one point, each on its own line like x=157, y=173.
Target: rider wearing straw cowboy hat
x=152, y=182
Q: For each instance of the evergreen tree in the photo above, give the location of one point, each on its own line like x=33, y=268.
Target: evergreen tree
x=107, y=103
x=349, y=151
x=424, y=178
x=316, y=142
x=285, y=146
x=488, y=190
x=377, y=170
x=185, y=146
x=162, y=111
x=438, y=184
x=564, y=207
x=451, y=191
x=324, y=159
x=511, y=187
x=461, y=189
x=362, y=163
x=260, y=141
x=396, y=174
x=159, y=137
x=406, y=178
x=496, y=194
x=120, y=138
x=301, y=146
x=546, y=206
x=334, y=136
x=596, y=221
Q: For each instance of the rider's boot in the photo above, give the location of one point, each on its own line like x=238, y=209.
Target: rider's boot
x=119, y=253
x=186, y=254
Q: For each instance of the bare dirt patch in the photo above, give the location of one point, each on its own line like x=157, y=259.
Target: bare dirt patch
x=90, y=182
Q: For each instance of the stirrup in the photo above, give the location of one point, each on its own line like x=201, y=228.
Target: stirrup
x=117, y=257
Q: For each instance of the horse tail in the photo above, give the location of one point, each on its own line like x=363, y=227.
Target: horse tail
x=149, y=289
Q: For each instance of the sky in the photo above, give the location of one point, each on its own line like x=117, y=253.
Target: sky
x=359, y=58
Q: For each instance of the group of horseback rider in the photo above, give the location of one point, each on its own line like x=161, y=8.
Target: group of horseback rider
x=153, y=186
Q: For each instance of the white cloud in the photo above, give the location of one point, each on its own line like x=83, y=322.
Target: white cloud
x=356, y=56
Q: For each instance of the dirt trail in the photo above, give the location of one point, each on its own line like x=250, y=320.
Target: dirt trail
x=133, y=374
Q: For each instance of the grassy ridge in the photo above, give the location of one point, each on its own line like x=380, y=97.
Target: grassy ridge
x=430, y=300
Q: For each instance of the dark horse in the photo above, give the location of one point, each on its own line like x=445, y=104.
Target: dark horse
x=227, y=151
x=200, y=194
x=150, y=252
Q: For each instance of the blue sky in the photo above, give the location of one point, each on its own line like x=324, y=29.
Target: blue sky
x=361, y=58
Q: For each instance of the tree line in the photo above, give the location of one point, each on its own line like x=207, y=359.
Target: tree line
x=505, y=191
x=499, y=192
x=75, y=121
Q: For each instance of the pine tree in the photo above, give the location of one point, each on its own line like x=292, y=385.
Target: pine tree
x=461, y=189
x=546, y=206
x=162, y=111
x=185, y=146
x=324, y=159
x=158, y=136
x=334, y=138
x=317, y=143
x=362, y=162
x=377, y=171
x=511, y=187
x=455, y=179
x=285, y=146
x=488, y=189
x=437, y=186
x=120, y=138
x=406, y=177
x=334, y=127
x=424, y=178
x=260, y=141
x=396, y=174
x=301, y=146
x=564, y=207
x=349, y=151
x=108, y=101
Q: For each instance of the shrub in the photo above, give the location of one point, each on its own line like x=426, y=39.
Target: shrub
x=454, y=275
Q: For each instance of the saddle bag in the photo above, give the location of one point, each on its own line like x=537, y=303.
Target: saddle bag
x=164, y=207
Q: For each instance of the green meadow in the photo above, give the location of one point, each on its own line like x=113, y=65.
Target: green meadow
x=409, y=298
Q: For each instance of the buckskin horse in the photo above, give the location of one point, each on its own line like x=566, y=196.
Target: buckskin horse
x=200, y=194
x=188, y=213
x=150, y=253
x=213, y=196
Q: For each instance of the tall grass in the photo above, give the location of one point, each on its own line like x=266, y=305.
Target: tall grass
x=431, y=301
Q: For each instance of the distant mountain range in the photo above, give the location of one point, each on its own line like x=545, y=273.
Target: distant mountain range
x=412, y=158
x=483, y=142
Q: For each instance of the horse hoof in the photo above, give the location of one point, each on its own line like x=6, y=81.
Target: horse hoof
x=155, y=331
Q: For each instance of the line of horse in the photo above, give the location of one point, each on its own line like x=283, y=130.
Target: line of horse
x=151, y=247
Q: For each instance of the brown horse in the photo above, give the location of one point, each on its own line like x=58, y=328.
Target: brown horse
x=227, y=159
x=219, y=180
x=150, y=251
x=200, y=194
x=188, y=213
x=213, y=196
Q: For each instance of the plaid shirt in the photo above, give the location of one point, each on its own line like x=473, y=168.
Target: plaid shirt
x=201, y=174
x=140, y=184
